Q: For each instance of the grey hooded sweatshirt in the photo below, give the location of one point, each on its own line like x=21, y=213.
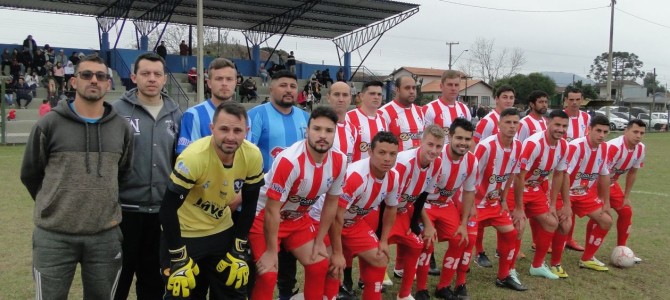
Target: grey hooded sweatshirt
x=154, y=144
x=72, y=170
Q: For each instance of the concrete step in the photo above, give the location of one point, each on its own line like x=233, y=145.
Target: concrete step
x=20, y=126
x=17, y=138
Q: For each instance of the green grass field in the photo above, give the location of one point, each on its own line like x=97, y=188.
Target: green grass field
x=644, y=281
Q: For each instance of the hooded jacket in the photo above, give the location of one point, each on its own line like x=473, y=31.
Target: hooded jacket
x=154, y=145
x=72, y=170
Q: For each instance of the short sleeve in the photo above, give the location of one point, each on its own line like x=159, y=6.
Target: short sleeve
x=393, y=195
x=186, y=133
x=254, y=167
x=471, y=180
x=186, y=172
x=640, y=161
x=353, y=186
x=282, y=179
x=571, y=160
x=336, y=187
x=528, y=155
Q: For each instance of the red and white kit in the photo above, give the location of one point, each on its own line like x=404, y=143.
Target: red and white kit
x=487, y=126
x=436, y=112
x=577, y=126
x=404, y=123
x=345, y=139
x=529, y=126
x=367, y=127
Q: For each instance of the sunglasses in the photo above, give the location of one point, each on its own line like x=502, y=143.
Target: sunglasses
x=88, y=75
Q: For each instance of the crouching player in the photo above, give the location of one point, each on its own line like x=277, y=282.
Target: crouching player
x=206, y=178
x=299, y=176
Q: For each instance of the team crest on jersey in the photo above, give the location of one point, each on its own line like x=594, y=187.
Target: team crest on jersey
x=275, y=151
x=329, y=182
x=206, y=185
x=237, y=185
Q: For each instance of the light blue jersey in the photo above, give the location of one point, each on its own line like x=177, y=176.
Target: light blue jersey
x=195, y=124
x=273, y=131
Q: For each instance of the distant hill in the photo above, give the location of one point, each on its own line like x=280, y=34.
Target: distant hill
x=563, y=79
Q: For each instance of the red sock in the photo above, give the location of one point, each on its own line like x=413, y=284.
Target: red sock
x=409, y=267
x=594, y=239
x=450, y=262
x=399, y=257
x=572, y=229
x=423, y=265
x=332, y=287
x=557, y=247
x=464, y=266
x=264, y=286
x=372, y=278
x=479, y=245
x=506, y=243
x=623, y=224
x=315, y=279
x=517, y=248
x=542, y=243
x=534, y=224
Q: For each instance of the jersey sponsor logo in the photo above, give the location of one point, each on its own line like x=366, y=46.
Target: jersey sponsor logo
x=364, y=146
x=181, y=167
x=291, y=214
x=237, y=185
x=171, y=128
x=275, y=151
x=183, y=141
x=358, y=210
x=406, y=136
x=618, y=171
x=212, y=209
x=408, y=198
x=493, y=195
x=302, y=200
x=541, y=173
x=135, y=124
x=445, y=192
x=277, y=188
x=347, y=197
x=533, y=183
x=497, y=178
x=585, y=176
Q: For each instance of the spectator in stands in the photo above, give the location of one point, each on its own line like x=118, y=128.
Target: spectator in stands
x=26, y=62
x=52, y=92
x=49, y=53
x=111, y=77
x=290, y=62
x=44, y=108
x=15, y=70
x=340, y=75
x=248, y=90
x=69, y=73
x=29, y=46
x=240, y=80
x=81, y=55
x=6, y=60
x=325, y=78
x=264, y=75
x=315, y=86
x=9, y=92
x=183, y=51
x=162, y=50
x=193, y=78
x=266, y=100
x=33, y=81
x=59, y=76
x=74, y=58
x=61, y=58
x=39, y=61
x=22, y=93
x=354, y=92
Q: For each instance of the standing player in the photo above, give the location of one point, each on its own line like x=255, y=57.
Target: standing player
x=486, y=127
x=339, y=97
x=369, y=182
x=458, y=171
x=625, y=155
x=203, y=242
x=498, y=155
x=587, y=165
x=544, y=154
x=366, y=118
x=298, y=177
x=418, y=169
x=196, y=120
x=538, y=102
x=404, y=118
x=445, y=109
x=579, y=121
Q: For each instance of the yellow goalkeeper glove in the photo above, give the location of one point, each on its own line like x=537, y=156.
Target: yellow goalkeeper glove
x=182, y=273
x=235, y=263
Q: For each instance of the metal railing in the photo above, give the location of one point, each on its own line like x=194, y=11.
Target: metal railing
x=175, y=91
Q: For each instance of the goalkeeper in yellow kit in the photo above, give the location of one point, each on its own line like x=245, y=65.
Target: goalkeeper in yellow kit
x=206, y=250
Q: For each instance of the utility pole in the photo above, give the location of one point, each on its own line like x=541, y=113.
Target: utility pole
x=450, y=44
x=609, y=59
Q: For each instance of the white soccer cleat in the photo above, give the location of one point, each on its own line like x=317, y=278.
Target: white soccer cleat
x=387, y=280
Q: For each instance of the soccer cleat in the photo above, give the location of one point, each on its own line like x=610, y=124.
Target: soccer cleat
x=572, y=244
x=433, y=271
x=398, y=273
x=559, y=271
x=445, y=293
x=511, y=284
x=387, y=280
x=515, y=275
x=483, y=260
x=497, y=255
x=346, y=294
x=405, y=298
x=593, y=264
x=361, y=285
x=542, y=271
x=637, y=260
x=461, y=292
x=422, y=295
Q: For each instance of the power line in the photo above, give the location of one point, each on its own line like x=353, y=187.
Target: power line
x=524, y=11
x=643, y=19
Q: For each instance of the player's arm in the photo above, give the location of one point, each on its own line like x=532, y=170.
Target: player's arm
x=188, y=132
x=126, y=160
x=630, y=181
x=519, y=184
x=387, y=224
x=604, y=191
x=468, y=204
x=34, y=161
x=337, y=261
x=268, y=261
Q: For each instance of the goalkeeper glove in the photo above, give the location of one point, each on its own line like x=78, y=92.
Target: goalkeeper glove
x=182, y=273
x=236, y=264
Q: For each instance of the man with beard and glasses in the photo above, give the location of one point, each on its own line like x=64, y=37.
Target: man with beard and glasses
x=205, y=248
x=300, y=175
x=196, y=120
x=538, y=102
x=75, y=159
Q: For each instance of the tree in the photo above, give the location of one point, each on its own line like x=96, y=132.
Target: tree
x=625, y=66
x=487, y=64
x=652, y=84
x=525, y=84
x=229, y=47
x=588, y=91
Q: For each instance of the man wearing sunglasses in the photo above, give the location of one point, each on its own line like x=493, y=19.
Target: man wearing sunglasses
x=75, y=159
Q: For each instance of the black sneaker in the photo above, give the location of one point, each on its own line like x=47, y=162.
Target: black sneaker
x=511, y=284
x=483, y=260
x=445, y=293
x=346, y=294
x=422, y=295
x=361, y=285
x=462, y=292
x=433, y=271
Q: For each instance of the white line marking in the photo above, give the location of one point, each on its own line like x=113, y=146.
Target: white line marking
x=651, y=193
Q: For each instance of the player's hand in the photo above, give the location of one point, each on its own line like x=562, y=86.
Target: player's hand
x=626, y=202
x=565, y=214
x=504, y=207
x=552, y=211
x=518, y=218
x=336, y=265
x=383, y=249
x=236, y=261
x=429, y=235
x=463, y=231
x=319, y=249
x=607, y=208
x=182, y=273
x=267, y=262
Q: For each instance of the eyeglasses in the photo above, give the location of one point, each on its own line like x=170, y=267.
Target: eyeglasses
x=88, y=75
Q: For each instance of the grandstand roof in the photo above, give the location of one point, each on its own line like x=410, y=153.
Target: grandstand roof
x=327, y=19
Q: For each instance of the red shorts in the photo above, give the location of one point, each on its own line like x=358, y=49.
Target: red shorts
x=326, y=239
x=358, y=238
x=372, y=218
x=510, y=199
x=586, y=204
x=446, y=220
x=292, y=234
x=399, y=231
x=535, y=203
x=493, y=216
x=616, y=196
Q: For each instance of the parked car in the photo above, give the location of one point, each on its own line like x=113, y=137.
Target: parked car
x=623, y=115
x=658, y=120
x=616, y=123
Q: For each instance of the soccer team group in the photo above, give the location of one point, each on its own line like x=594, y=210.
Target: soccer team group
x=250, y=194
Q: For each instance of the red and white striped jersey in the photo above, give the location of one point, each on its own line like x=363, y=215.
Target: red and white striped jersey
x=414, y=180
x=454, y=175
x=367, y=128
x=405, y=123
x=436, y=112
x=620, y=159
x=345, y=137
x=363, y=191
x=530, y=126
x=496, y=164
x=297, y=181
x=585, y=164
x=577, y=126
x=541, y=159
x=486, y=127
